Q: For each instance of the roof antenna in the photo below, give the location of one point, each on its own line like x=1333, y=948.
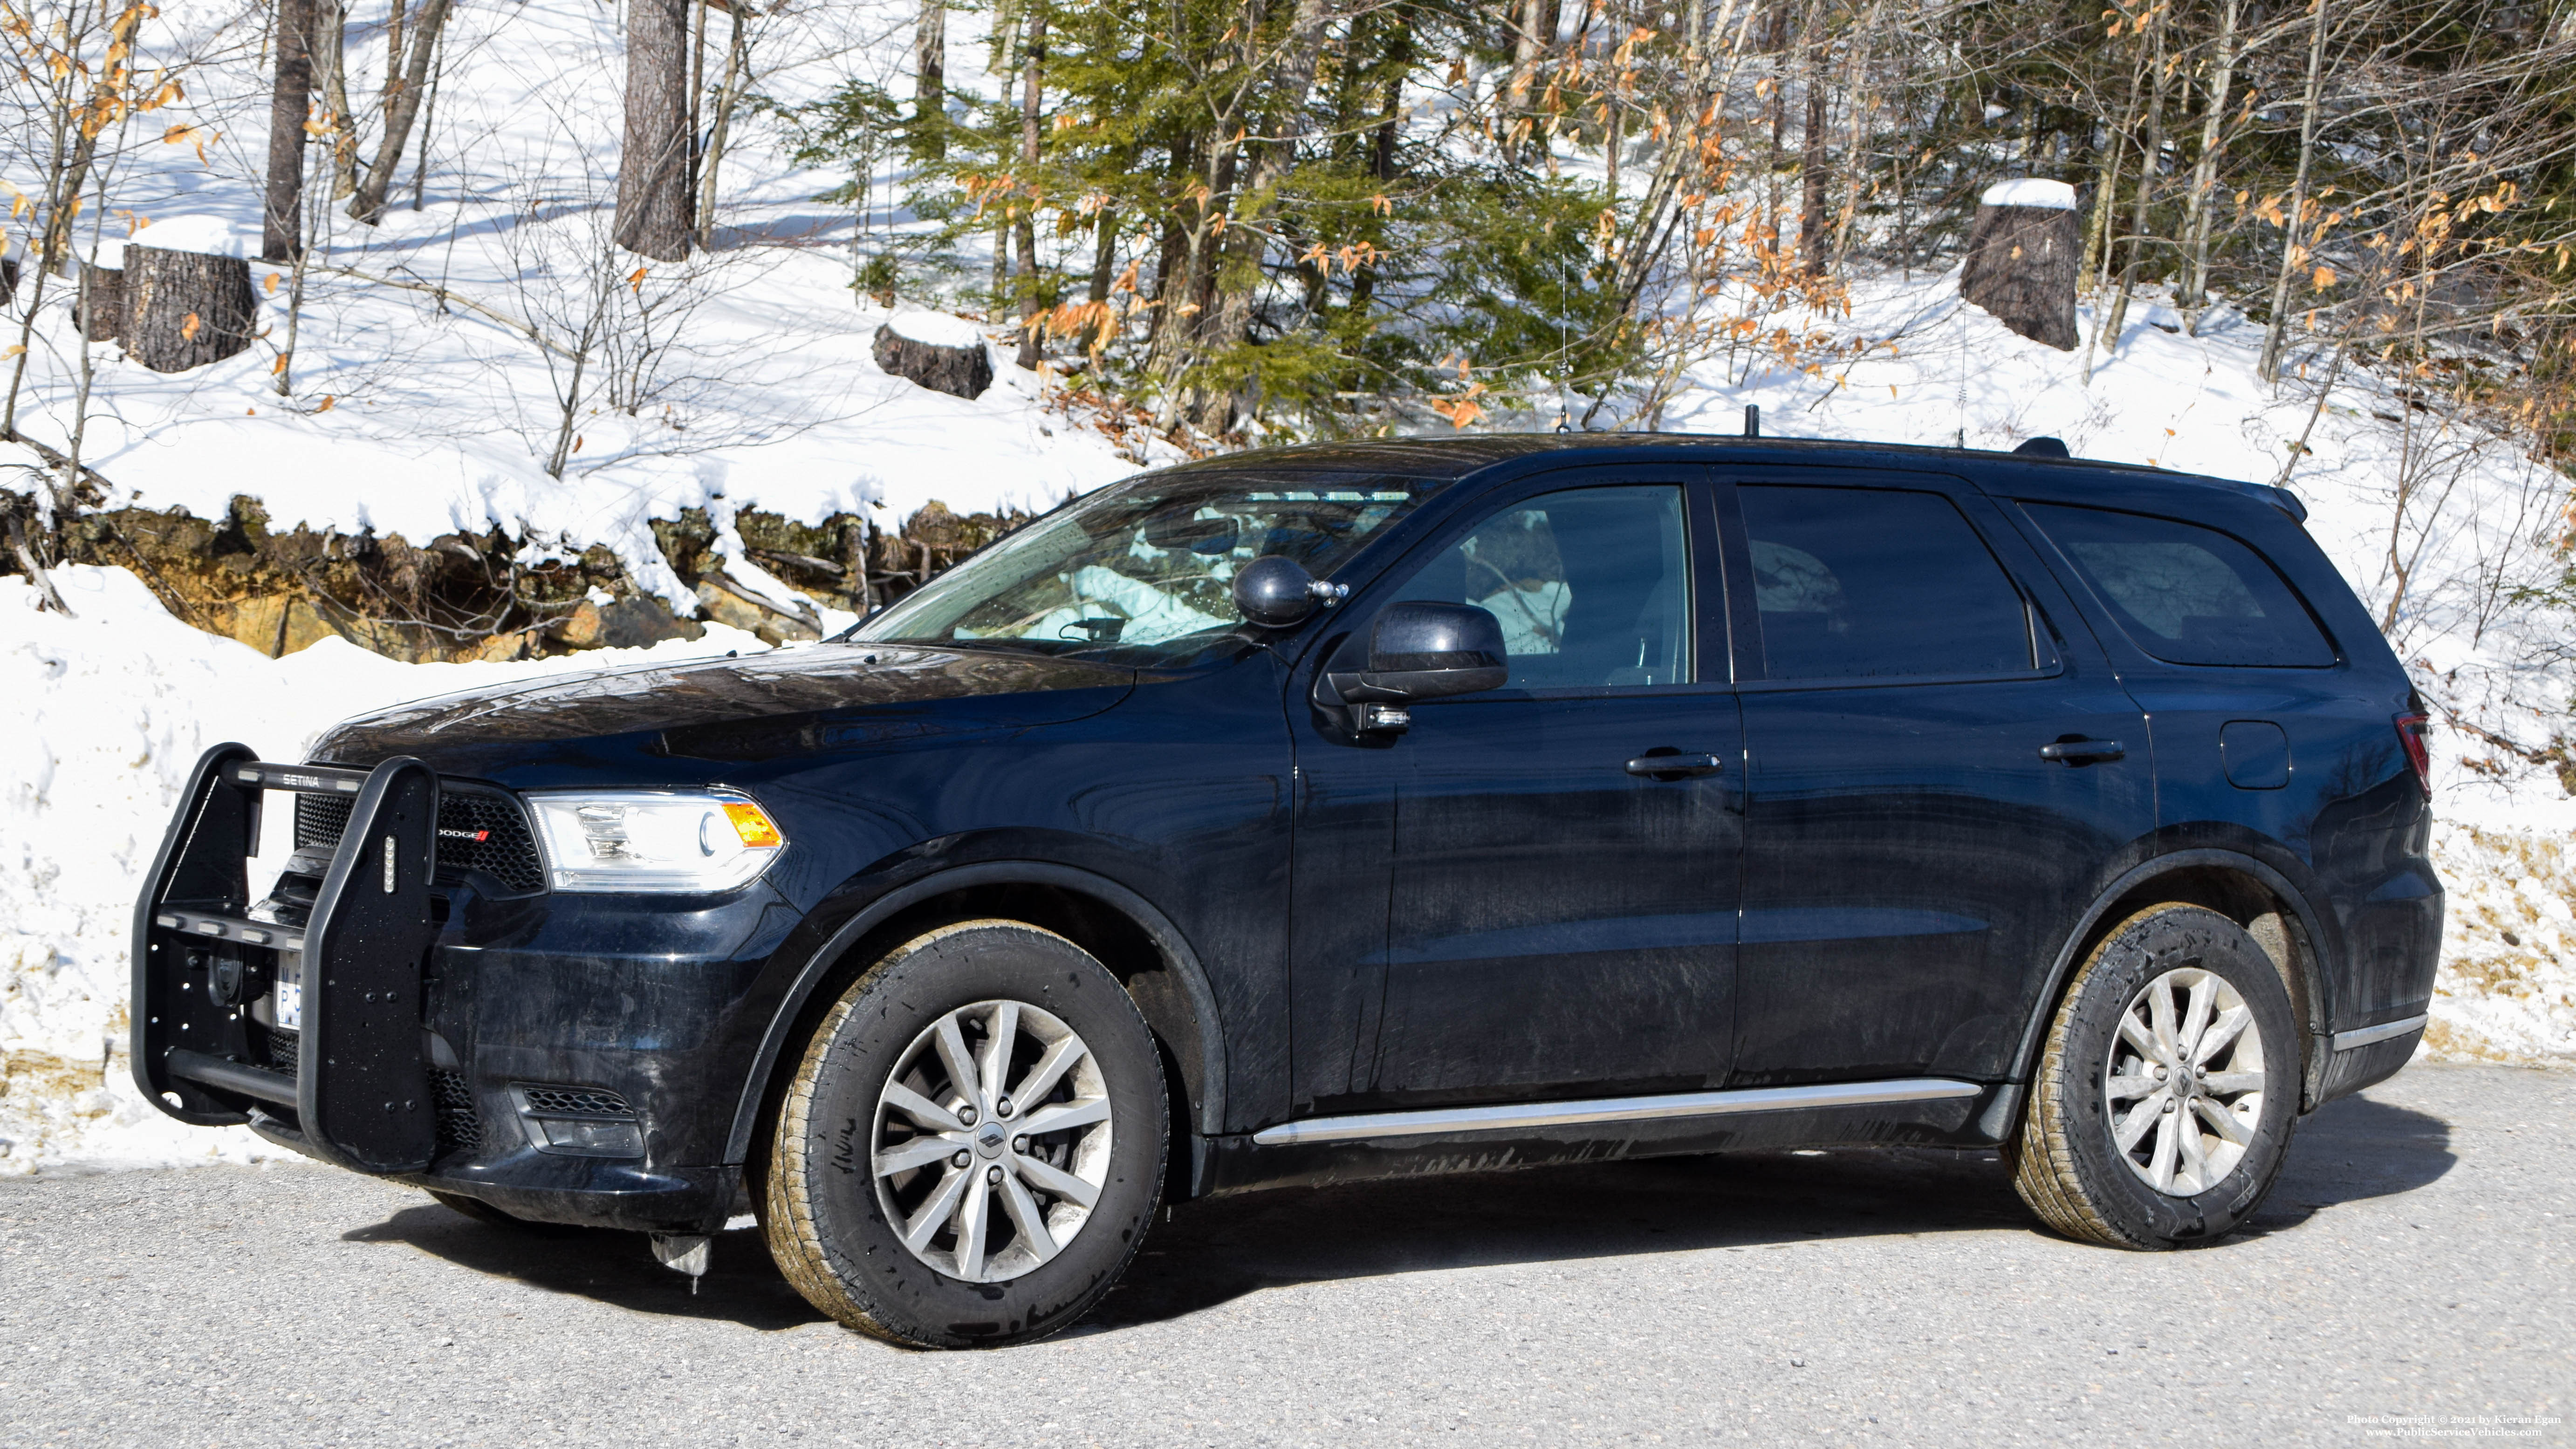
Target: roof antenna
x=1564, y=356
x=1753, y=420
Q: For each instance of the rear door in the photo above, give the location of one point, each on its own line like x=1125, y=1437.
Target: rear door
x=1942, y=773
x=2272, y=737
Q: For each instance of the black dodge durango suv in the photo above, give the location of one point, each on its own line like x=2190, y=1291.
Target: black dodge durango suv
x=1346, y=811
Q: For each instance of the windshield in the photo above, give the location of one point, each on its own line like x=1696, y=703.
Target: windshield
x=1143, y=571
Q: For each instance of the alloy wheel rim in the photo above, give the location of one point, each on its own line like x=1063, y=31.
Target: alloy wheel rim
x=2183, y=1090
x=991, y=1141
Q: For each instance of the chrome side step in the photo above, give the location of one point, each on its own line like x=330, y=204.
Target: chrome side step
x=2345, y=1041
x=1448, y=1121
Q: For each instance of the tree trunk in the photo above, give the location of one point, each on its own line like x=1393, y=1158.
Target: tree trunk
x=1529, y=47
x=368, y=204
x=2150, y=155
x=2204, y=171
x=102, y=312
x=66, y=208
x=428, y=126
x=1104, y=272
x=737, y=77
x=330, y=44
x=290, y=104
x=1812, y=166
x=930, y=81
x=653, y=167
x=1033, y=60
x=2276, y=328
x=185, y=309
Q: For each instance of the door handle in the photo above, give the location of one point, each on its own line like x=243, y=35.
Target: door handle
x=1675, y=767
x=2080, y=752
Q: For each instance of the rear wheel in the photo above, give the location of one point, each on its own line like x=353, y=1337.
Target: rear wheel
x=973, y=1144
x=2163, y=1104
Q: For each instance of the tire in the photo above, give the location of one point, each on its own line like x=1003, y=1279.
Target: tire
x=987, y=1263
x=2182, y=1178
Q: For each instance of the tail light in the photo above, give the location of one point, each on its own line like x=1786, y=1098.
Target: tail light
x=2411, y=732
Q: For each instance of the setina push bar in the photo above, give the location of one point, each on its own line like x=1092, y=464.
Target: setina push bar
x=357, y=1094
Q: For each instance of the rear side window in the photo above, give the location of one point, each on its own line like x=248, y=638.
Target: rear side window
x=2186, y=594
x=1877, y=582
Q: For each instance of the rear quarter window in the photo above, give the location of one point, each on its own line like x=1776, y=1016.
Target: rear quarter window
x=2186, y=594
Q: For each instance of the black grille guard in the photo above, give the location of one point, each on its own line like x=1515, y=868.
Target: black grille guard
x=360, y=1094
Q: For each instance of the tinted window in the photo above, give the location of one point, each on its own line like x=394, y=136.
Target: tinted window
x=1591, y=586
x=1872, y=582
x=2186, y=594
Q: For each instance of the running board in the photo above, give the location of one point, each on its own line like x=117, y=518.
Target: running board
x=1529, y=1116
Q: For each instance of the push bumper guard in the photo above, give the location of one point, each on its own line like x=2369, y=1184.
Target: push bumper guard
x=359, y=1095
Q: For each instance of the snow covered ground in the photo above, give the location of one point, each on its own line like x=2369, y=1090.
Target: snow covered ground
x=416, y=416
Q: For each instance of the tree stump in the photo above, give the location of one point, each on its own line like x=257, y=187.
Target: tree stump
x=2024, y=249
x=104, y=318
x=942, y=353
x=187, y=302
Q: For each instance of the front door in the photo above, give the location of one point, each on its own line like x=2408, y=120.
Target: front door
x=1555, y=860
x=1942, y=769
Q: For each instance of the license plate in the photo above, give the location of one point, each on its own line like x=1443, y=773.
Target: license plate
x=289, y=1003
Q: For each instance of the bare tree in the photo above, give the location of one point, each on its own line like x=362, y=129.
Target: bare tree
x=402, y=107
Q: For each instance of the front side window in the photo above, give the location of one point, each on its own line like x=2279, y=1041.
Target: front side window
x=1866, y=583
x=1591, y=586
x=2186, y=594
x=1143, y=571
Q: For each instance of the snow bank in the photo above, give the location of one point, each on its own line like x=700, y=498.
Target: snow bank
x=754, y=385
x=108, y=710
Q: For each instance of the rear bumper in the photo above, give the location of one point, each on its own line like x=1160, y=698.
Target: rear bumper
x=482, y=1025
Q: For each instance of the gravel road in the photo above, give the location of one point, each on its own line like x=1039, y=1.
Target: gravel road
x=2415, y=1261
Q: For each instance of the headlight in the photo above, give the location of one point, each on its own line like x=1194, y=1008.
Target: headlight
x=650, y=840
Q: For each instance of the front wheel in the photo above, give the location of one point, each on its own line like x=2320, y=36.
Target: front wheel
x=2162, y=1107
x=973, y=1144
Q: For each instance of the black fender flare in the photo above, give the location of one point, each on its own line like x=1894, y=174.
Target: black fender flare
x=2007, y=1106
x=1167, y=938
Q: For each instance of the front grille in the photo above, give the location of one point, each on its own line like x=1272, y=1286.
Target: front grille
x=283, y=1045
x=574, y=1102
x=477, y=831
x=320, y=819
x=458, y=1124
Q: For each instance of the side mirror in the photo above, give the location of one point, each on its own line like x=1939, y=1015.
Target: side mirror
x=1277, y=592
x=1423, y=650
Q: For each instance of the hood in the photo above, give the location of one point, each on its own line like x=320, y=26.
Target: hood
x=734, y=709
